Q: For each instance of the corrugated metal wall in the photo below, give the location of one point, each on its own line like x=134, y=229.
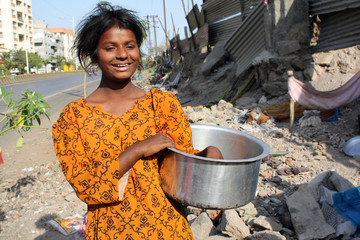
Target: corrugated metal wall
x=330, y=6
x=193, y=18
x=248, y=41
x=222, y=30
x=221, y=19
x=340, y=23
x=216, y=10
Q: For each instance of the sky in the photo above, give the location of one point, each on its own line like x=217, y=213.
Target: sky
x=68, y=13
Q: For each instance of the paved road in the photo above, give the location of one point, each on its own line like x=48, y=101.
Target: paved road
x=51, y=86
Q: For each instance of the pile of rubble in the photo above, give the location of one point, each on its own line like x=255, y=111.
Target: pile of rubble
x=296, y=159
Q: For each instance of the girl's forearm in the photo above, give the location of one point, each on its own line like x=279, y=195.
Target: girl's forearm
x=127, y=159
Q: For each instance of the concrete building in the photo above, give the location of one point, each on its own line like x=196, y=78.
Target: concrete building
x=16, y=31
x=46, y=43
x=68, y=39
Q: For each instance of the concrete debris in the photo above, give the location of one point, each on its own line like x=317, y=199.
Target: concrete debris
x=232, y=225
x=287, y=47
x=247, y=211
x=216, y=58
x=202, y=227
x=310, y=118
x=268, y=235
x=220, y=237
x=307, y=218
x=267, y=223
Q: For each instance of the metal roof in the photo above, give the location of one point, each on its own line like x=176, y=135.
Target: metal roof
x=330, y=6
x=248, y=41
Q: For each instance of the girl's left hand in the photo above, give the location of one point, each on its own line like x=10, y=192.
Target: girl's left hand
x=211, y=152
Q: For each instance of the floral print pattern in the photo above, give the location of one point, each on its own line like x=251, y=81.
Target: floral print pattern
x=88, y=142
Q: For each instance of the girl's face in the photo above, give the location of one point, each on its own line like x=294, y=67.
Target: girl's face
x=118, y=54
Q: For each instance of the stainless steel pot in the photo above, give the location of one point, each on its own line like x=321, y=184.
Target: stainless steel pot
x=214, y=183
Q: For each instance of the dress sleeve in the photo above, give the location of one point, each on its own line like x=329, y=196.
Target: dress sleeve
x=95, y=182
x=172, y=120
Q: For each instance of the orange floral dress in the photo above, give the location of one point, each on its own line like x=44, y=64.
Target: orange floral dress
x=88, y=142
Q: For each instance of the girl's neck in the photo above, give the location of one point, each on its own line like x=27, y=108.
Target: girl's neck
x=105, y=93
x=115, y=85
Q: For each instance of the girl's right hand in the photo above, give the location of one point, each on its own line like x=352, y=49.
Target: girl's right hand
x=152, y=145
x=143, y=149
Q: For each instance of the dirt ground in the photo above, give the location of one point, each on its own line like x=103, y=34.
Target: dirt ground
x=44, y=194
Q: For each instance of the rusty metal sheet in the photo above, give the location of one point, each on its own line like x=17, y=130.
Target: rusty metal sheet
x=201, y=18
x=338, y=30
x=193, y=18
x=331, y=6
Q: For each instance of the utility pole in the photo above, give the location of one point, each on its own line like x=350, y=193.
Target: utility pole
x=192, y=35
x=166, y=38
x=26, y=41
x=162, y=26
x=147, y=18
x=155, y=33
x=154, y=26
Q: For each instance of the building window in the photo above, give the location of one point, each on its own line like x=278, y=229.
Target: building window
x=20, y=16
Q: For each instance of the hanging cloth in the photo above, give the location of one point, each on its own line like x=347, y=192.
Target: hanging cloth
x=325, y=100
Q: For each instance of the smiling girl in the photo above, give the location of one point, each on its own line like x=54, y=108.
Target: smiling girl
x=108, y=143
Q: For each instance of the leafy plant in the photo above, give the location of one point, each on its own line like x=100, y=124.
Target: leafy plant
x=20, y=115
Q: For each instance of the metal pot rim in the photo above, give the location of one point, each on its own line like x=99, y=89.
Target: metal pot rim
x=265, y=152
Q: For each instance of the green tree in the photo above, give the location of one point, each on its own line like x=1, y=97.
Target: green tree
x=7, y=64
x=19, y=59
x=35, y=61
x=58, y=60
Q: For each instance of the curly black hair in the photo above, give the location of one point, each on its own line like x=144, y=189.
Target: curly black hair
x=101, y=18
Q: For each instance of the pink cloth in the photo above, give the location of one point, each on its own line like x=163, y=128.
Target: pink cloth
x=311, y=98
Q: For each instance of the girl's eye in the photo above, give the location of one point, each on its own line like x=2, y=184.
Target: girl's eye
x=130, y=46
x=109, y=48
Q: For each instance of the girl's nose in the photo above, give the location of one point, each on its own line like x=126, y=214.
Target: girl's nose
x=122, y=53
